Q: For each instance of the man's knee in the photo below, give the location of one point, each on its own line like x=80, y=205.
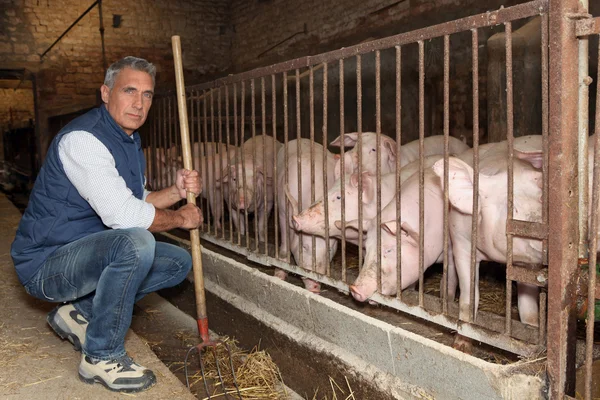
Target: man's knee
x=140, y=242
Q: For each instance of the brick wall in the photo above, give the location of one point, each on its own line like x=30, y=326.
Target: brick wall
x=71, y=73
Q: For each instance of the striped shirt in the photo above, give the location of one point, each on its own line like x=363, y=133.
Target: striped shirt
x=91, y=169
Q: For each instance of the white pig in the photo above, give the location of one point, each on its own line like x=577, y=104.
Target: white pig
x=408, y=229
x=491, y=244
x=245, y=190
x=303, y=253
x=387, y=146
x=312, y=219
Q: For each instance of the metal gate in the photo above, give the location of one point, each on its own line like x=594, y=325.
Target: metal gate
x=369, y=89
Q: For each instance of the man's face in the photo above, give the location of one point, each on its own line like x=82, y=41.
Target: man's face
x=130, y=98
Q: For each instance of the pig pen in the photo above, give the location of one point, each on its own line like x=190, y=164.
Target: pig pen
x=379, y=98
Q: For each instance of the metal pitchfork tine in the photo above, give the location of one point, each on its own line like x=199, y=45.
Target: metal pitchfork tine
x=195, y=238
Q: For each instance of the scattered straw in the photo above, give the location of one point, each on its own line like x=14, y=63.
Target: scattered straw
x=337, y=390
x=42, y=381
x=257, y=376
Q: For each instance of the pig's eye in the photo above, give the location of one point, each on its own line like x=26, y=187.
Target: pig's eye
x=373, y=150
x=339, y=197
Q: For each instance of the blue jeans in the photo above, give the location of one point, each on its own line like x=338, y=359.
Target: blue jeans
x=103, y=275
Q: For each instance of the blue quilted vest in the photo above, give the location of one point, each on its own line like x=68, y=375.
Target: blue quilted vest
x=56, y=213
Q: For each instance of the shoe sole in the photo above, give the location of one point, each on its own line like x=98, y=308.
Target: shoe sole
x=96, y=379
x=61, y=333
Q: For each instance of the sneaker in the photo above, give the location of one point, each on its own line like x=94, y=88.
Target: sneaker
x=120, y=375
x=69, y=324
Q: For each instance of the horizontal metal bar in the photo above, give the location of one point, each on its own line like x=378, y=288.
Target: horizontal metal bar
x=491, y=18
x=538, y=277
x=534, y=230
x=587, y=27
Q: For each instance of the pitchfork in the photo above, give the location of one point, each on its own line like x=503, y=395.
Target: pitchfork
x=195, y=239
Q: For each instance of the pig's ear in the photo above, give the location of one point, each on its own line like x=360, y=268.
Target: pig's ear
x=390, y=145
x=460, y=188
x=390, y=227
x=368, y=188
x=408, y=230
x=354, y=180
x=347, y=140
x=535, y=158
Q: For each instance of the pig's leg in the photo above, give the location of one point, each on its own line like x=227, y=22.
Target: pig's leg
x=238, y=221
x=452, y=276
x=462, y=259
x=215, y=209
x=283, y=230
x=528, y=300
x=261, y=224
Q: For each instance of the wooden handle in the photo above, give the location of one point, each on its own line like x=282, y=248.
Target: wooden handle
x=191, y=198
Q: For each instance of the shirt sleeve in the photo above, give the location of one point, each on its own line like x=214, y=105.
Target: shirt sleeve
x=91, y=169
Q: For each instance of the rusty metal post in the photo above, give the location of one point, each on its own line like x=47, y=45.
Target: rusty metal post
x=563, y=199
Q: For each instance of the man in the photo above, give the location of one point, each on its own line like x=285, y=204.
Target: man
x=84, y=239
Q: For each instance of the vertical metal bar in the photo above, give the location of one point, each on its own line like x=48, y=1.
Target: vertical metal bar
x=244, y=183
x=204, y=149
x=275, y=171
x=545, y=99
x=563, y=199
x=212, y=138
x=475, y=66
x=164, y=174
x=510, y=175
x=201, y=169
x=593, y=238
x=286, y=153
x=421, y=171
x=311, y=94
x=254, y=177
x=238, y=147
x=359, y=146
x=299, y=155
x=583, y=129
x=265, y=165
x=169, y=141
x=378, y=166
x=219, y=160
x=325, y=172
x=398, y=164
x=227, y=150
x=446, y=178
x=343, y=171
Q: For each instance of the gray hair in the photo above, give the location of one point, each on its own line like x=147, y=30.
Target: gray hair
x=135, y=63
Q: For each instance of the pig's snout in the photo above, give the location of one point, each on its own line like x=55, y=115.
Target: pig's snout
x=358, y=294
x=296, y=222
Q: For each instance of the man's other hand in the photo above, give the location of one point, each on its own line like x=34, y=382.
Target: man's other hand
x=188, y=181
x=192, y=216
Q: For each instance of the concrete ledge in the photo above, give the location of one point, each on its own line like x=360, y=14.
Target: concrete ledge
x=400, y=362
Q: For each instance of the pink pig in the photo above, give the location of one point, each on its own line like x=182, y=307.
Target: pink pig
x=408, y=227
x=492, y=216
x=288, y=204
x=312, y=219
x=387, y=147
x=245, y=190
